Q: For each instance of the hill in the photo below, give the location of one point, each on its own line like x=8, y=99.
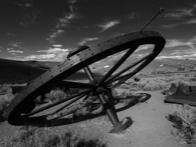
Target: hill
x=12, y=71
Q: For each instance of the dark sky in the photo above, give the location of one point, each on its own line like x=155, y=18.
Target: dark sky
x=47, y=29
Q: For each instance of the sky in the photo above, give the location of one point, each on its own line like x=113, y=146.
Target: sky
x=46, y=30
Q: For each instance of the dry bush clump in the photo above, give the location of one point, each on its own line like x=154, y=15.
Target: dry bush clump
x=5, y=99
x=48, y=137
x=56, y=95
x=184, y=123
x=146, y=84
x=156, y=83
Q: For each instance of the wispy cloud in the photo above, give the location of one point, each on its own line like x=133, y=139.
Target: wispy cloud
x=57, y=45
x=63, y=22
x=55, y=34
x=144, y=47
x=108, y=25
x=181, y=13
x=15, y=47
x=85, y=40
x=170, y=43
x=186, y=49
x=183, y=52
x=26, y=4
x=16, y=44
x=71, y=5
x=188, y=22
x=56, y=53
x=174, y=43
x=180, y=57
x=11, y=50
x=191, y=21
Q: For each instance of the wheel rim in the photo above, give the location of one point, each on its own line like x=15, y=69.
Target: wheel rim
x=55, y=75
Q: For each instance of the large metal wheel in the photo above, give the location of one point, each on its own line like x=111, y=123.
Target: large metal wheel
x=24, y=108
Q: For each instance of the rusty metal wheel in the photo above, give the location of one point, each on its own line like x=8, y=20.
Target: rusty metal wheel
x=116, y=52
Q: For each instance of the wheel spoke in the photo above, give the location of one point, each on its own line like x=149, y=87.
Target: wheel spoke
x=82, y=93
x=117, y=76
x=118, y=64
x=71, y=84
x=65, y=113
x=67, y=104
x=89, y=73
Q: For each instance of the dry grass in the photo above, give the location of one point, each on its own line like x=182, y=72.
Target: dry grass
x=5, y=99
x=56, y=95
x=184, y=123
x=156, y=83
x=43, y=137
x=48, y=137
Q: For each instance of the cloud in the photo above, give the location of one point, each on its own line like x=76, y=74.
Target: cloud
x=184, y=52
x=144, y=47
x=54, y=35
x=180, y=13
x=57, y=45
x=171, y=43
x=65, y=20
x=85, y=40
x=188, y=22
x=192, y=21
x=180, y=57
x=72, y=1
x=62, y=23
x=71, y=5
x=108, y=25
x=11, y=50
x=16, y=44
x=26, y=4
x=186, y=49
x=52, y=54
x=44, y=57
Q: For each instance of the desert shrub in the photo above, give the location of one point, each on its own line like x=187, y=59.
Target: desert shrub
x=5, y=100
x=45, y=137
x=147, y=85
x=122, y=93
x=56, y=95
x=184, y=123
x=5, y=89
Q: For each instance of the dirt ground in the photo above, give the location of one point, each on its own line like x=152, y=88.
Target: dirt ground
x=150, y=128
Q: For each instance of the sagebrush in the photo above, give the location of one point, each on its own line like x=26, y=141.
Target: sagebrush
x=6, y=97
x=47, y=137
x=184, y=123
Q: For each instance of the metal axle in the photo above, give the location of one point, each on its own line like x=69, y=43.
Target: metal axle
x=118, y=126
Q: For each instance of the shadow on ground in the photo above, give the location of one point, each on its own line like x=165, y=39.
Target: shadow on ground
x=120, y=105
